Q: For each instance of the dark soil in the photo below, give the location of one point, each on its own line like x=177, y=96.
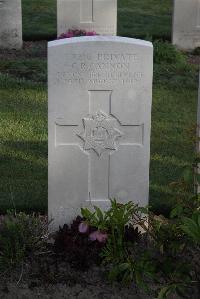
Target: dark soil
x=74, y=284
x=76, y=247
x=69, y=267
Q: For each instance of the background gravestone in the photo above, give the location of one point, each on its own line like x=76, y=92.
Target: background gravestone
x=10, y=24
x=90, y=15
x=186, y=24
x=100, y=93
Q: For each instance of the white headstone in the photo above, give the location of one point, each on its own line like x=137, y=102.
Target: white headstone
x=90, y=15
x=10, y=24
x=186, y=24
x=100, y=94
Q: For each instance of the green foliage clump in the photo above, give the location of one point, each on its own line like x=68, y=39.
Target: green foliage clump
x=122, y=223
x=165, y=52
x=155, y=257
x=20, y=235
x=117, y=222
x=191, y=227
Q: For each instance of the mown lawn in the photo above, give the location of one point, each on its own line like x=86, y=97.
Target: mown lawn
x=23, y=130
x=145, y=18
x=23, y=107
x=39, y=19
x=23, y=148
x=136, y=18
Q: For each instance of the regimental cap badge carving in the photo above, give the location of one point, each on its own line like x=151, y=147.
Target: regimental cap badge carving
x=100, y=133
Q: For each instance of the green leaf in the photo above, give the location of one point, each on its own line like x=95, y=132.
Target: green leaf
x=198, y=220
x=177, y=211
x=188, y=175
x=99, y=213
x=118, y=270
x=88, y=215
x=164, y=292
x=197, y=177
x=191, y=228
x=143, y=210
x=124, y=266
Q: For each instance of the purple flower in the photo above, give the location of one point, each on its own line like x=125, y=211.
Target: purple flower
x=98, y=236
x=83, y=227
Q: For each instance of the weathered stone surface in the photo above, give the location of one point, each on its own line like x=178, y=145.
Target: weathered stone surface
x=100, y=92
x=10, y=24
x=186, y=24
x=90, y=15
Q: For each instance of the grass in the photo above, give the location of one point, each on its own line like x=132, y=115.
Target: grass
x=145, y=18
x=39, y=19
x=23, y=106
x=136, y=18
x=173, y=115
x=31, y=69
x=23, y=150
x=23, y=128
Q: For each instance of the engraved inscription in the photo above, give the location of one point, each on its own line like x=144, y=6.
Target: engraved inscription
x=100, y=68
x=100, y=133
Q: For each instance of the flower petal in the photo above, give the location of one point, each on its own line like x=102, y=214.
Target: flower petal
x=102, y=237
x=83, y=227
x=93, y=236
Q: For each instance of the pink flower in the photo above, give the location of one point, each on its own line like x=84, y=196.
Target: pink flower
x=98, y=236
x=93, y=236
x=90, y=33
x=102, y=237
x=83, y=227
x=76, y=32
x=69, y=34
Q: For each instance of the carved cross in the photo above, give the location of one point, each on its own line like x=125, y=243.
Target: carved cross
x=100, y=136
x=86, y=11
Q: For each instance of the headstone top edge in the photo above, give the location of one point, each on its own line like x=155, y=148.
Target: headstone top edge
x=82, y=39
